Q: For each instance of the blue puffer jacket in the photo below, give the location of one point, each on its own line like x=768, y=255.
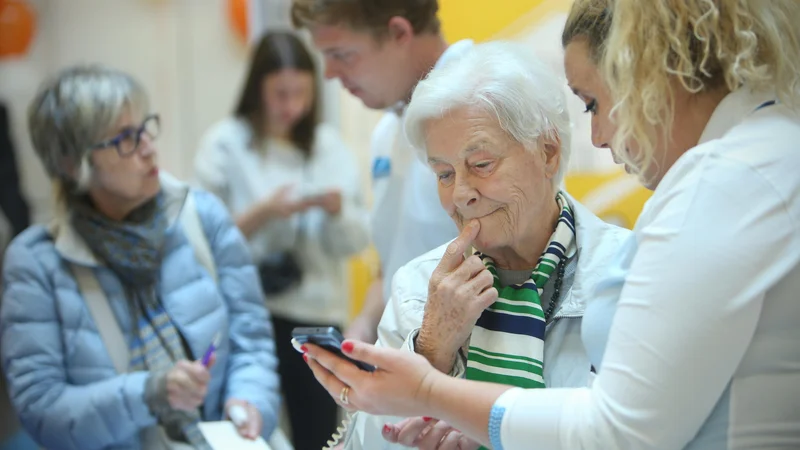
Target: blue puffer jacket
x=60, y=376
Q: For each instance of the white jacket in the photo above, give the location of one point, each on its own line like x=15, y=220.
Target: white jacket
x=566, y=363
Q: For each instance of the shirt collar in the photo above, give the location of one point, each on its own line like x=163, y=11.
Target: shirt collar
x=732, y=110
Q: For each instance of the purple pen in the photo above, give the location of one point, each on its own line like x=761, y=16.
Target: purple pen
x=211, y=349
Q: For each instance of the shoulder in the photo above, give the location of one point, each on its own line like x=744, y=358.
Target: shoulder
x=228, y=131
x=384, y=131
x=30, y=255
x=209, y=207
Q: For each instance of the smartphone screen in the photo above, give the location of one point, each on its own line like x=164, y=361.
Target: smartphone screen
x=328, y=338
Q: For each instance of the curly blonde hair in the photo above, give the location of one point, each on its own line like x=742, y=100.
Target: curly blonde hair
x=703, y=45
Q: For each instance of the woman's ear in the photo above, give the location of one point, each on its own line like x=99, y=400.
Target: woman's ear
x=79, y=174
x=552, y=155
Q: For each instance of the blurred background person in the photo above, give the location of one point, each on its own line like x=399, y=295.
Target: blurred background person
x=379, y=51
x=293, y=187
x=118, y=240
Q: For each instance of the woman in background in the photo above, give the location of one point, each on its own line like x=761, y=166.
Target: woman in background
x=107, y=313
x=294, y=190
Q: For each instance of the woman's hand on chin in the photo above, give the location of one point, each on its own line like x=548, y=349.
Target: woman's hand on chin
x=401, y=384
x=459, y=290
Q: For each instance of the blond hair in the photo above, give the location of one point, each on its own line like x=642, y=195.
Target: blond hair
x=703, y=45
x=367, y=15
x=590, y=20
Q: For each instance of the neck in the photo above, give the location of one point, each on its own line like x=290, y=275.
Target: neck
x=279, y=132
x=693, y=113
x=524, y=254
x=112, y=207
x=427, y=49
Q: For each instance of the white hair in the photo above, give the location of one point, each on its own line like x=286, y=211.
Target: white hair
x=504, y=79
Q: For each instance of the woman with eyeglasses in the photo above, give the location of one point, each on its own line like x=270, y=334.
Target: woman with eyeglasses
x=137, y=313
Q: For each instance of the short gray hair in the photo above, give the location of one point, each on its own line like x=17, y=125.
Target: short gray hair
x=505, y=79
x=74, y=111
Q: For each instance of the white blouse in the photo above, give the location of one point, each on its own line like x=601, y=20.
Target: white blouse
x=704, y=349
x=241, y=176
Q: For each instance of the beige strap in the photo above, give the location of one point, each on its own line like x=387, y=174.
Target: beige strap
x=193, y=228
x=104, y=318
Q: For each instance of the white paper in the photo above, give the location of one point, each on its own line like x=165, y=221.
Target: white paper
x=223, y=436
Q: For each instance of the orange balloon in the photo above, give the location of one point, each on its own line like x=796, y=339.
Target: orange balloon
x=17, y=24
x=238, y=15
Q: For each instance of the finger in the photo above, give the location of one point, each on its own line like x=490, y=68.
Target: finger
x=327, y=379
x=382, y=358
x=198, y=373
x=454, y=255
x=254, y=422
x=487, y=298
x=452, y=441
x=342, y=369
x=480, y=283
x=471, y=268
x=432, y=439
x=412, y=432
x=465, y=443
x=391, y=432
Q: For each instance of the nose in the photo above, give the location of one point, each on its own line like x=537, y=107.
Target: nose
x=331, y=71
x=464, y=194
x=599, y=137
x=146, y=146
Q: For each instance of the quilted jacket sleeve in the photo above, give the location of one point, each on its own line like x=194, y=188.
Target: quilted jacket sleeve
x=252, y=367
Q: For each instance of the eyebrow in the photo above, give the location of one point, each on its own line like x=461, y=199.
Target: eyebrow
x=468, y=150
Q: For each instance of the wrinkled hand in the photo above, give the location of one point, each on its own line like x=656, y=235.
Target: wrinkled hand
x=187, y=385
x=251, y=427
x=427, y=434
x=281, y=206
x=458, y=292
x=400, y=386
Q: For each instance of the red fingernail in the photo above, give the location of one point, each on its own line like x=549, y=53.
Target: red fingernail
x=426, y=419
x=347, y=347
x=387, y=429
x=305, y=357
x=303, y=348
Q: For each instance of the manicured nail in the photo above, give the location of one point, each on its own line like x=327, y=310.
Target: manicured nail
x=347, y=347
x=387, y=429
x=305, y=357
x=426, y=419
x=303, y=348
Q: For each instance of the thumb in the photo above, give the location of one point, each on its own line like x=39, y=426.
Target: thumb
x=454, y=255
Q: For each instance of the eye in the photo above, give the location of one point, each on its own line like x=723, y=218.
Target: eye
x=445, y=177
x=591, y=107
x=483, y=167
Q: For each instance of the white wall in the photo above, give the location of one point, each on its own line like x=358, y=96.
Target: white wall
x=183, y=51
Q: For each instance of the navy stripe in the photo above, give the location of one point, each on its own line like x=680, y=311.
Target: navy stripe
x=507, y=323
x=529, y=285
x=765, y=104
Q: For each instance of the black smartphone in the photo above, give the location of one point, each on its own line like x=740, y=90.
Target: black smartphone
x=328, y=338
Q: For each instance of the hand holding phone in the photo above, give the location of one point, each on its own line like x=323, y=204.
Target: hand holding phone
x=328, y=338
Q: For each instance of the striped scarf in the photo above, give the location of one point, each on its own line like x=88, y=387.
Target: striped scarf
x=132, y=249
x=507, y=343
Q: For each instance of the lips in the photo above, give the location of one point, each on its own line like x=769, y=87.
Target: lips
x=153, y=172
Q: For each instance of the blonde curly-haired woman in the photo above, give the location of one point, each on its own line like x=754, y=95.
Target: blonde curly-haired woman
x=701, y=99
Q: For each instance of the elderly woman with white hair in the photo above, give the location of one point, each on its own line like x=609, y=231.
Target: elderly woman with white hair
x=494, y=128
x=138, y=313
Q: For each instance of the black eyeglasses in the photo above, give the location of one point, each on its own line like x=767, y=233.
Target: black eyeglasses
x=128, y=140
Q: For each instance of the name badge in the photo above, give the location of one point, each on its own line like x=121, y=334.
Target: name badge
x=381, y=168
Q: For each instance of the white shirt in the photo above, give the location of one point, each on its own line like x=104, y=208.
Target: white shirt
x=407, y=219
x=241, y=176
x=704, y=349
